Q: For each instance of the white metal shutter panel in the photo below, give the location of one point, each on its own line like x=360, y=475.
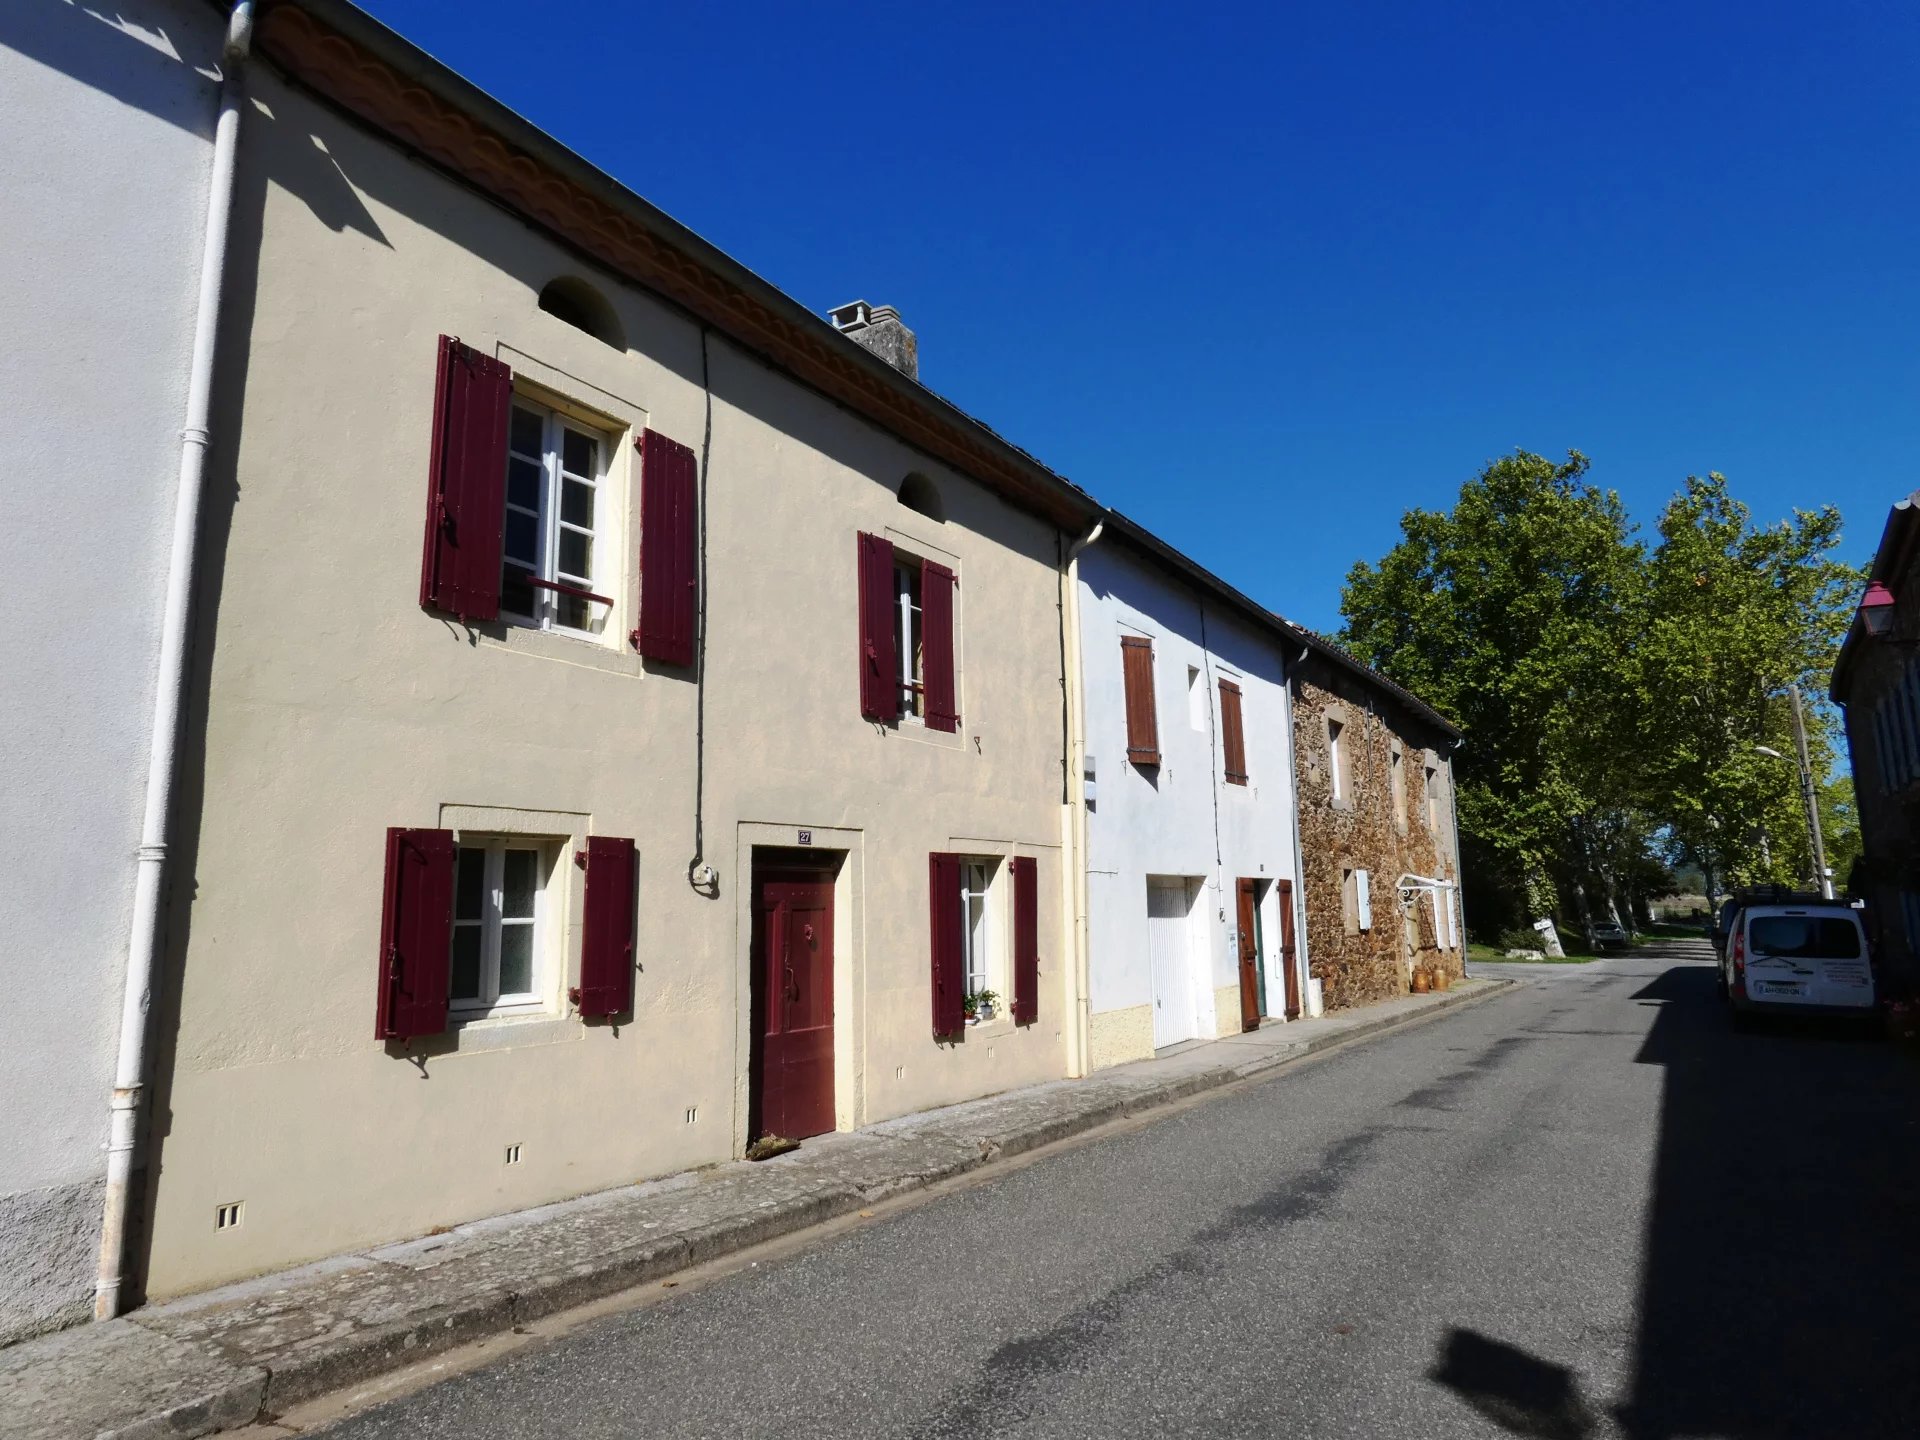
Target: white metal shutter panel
x=1363, y=899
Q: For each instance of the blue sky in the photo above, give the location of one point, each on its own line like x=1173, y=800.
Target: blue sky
x=1262, y=277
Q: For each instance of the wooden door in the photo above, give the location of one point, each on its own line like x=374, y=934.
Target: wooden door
x=790, y=1084
x=1249, y=959
x=1284, y=898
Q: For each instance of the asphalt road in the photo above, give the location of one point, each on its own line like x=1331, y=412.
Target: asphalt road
x=1586, y=1209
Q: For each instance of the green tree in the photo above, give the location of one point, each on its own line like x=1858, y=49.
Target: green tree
x=1512, y=614
x=1616, y=699
x=1736, y=613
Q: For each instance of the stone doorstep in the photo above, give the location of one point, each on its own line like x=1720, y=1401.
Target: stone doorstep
x=215, y=1360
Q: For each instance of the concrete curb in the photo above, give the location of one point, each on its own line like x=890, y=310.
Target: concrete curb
x=293, y=1338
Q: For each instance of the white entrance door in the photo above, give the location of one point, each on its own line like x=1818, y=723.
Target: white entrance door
x=1170, y=950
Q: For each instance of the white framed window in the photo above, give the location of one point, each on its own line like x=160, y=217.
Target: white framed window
x=1433, y=798
x=908, y=648
x=976, y=902
x=500, y=927
x=1196, y=699
x=558, y=570
x=1397, y=785
x=1336, y=759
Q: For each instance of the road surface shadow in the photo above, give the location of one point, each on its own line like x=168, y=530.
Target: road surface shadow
x=1517, y=1392
x=1781, y=1273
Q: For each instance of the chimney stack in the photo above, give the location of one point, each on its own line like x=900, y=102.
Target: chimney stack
x=878, y=328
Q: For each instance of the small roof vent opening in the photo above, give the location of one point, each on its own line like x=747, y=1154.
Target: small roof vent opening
x=574, y=301
x=919, y=493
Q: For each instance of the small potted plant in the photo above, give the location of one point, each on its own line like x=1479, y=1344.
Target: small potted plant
x=979, y=1005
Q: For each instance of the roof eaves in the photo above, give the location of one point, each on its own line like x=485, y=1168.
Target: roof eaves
x=1897, y=539
x=750, y=309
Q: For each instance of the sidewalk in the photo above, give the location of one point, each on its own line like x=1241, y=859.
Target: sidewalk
x=217, y=1360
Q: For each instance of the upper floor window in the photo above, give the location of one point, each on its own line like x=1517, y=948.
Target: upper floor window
x=1432, y=793
x=551, y=566
x=1233, y=735
x=909, y=661
x=1336, y=759
x=907, y=638
x=1397, y=784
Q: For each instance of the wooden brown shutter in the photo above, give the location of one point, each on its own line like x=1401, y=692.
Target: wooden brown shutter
x=879, y=676
x=606, y=945
x=947, y=922
x=467, y=486
x=1233, y=740
x=936, y=642
x=416, y=934
x=1143, y=720
x=1026, y=940
x=669, y=549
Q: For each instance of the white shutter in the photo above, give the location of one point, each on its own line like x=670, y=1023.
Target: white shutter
x=1363, y=899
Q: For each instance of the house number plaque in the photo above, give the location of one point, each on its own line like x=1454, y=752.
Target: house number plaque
x=806, y=837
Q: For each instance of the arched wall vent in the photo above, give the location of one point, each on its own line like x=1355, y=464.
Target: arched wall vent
x=917, y=492
x=583, y=307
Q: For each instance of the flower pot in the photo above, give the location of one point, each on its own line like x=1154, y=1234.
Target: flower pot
x=1421, y=983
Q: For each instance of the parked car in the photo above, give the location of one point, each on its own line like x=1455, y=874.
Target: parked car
x=1798, y=958
x=1607, y=934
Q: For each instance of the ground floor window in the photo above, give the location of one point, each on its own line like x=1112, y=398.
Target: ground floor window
x=499, y=927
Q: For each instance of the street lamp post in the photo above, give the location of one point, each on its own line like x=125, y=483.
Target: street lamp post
x=1808, y=796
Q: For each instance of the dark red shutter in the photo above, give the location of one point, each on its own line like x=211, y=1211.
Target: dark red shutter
x=1143, y=719
x=947, y=923
x=1026, y=940
x=879, y=677
x=606, y=945
x=936, y=638
x=669, y=549
x=467, y=489
x=416, y=934
x=1233, y=742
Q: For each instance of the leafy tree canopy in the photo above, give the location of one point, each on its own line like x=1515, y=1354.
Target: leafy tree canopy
x=1614, y=693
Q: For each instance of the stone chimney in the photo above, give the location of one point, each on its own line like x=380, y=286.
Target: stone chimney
x=878, y=328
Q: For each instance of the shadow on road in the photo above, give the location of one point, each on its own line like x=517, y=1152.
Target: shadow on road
x=1781, y=1280
x=1513, y=1389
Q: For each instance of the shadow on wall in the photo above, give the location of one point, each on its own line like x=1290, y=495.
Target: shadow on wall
x=1780, y=1293
x=134, y=51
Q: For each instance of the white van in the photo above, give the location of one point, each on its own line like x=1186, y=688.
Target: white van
x=1804, y=959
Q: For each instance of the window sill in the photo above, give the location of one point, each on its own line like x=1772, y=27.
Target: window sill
x=568, y=646
x=480, y=1032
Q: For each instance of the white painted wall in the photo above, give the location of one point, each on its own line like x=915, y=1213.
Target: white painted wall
x=102, y=198
x=1183, y=819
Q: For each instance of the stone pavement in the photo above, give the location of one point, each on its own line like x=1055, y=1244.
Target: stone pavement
x=219, y=1360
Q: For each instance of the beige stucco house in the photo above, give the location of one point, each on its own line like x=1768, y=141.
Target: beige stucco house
x=628, y=712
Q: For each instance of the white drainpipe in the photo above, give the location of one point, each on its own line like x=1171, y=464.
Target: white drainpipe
x=130, y=1069
x=1079, y=1032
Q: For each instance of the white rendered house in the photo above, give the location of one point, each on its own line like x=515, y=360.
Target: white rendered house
x=1191, y=910
x=109, y=114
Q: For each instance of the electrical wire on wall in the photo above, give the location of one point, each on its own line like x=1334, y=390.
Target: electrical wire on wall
x=701, y=875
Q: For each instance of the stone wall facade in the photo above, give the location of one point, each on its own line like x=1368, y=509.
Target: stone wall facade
x=1351, y=823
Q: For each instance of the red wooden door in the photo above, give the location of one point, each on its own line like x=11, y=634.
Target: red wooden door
x=791, y=1080
x=1285, y=894
x=1249, y=961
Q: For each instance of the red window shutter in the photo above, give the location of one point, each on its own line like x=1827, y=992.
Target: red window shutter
x=1143, y=719
x=936, y=639
x=949, y=968
x=606, y=946
x=467, y=489
x=1233, y=740
x=416, y=934
x=1026, y=940
x=879, y=677
x=669, y=549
